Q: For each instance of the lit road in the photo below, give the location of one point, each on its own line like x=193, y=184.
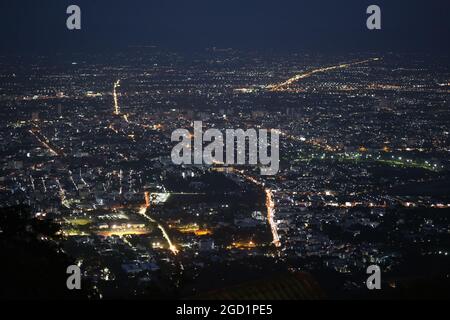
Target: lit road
x=283, y=85
x=116, y=102
x=143, y=212
x=45, y=142
x=62, y=194
x=270, y=206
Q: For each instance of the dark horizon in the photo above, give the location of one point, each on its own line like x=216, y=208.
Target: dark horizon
x=316, y=26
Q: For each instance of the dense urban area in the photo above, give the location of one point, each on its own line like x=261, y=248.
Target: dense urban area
x=363, y=178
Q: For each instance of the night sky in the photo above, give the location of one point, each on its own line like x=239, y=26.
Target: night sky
x=28, y=26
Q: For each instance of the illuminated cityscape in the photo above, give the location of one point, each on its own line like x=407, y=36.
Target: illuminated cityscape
x=363, y=176
x=357, y=107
